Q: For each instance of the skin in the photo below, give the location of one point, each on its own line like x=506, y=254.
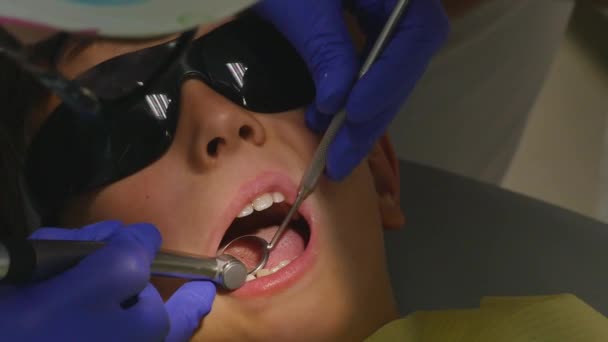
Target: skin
x=344, y=295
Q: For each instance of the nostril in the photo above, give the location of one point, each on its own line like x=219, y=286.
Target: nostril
x=245, y=132
x=214, y=145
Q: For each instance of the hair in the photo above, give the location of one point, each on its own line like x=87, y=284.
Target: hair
x=14, y=220
x=20, y=94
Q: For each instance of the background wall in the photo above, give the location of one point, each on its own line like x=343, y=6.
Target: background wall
x=468, y=112
x=563, y=155
x=519, y=98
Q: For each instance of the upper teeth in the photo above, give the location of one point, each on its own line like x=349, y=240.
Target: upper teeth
x=262, y=202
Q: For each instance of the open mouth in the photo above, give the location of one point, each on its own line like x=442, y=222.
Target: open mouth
x=262, y=218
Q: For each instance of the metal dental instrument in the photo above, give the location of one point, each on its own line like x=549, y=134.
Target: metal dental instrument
x=251, y=239
x=317, y=166
x=25, y=260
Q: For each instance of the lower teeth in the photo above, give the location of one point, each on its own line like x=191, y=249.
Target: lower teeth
x=262, y=272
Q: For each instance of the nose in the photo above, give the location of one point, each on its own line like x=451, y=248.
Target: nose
x=214, y=127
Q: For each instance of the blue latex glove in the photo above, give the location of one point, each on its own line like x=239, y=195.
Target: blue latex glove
x=318, y=31
x=85, y=303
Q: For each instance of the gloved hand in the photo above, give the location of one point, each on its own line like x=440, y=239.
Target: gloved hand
x=106, y=297
x=318, y=31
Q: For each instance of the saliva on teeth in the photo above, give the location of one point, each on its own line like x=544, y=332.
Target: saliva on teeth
x=262, y=272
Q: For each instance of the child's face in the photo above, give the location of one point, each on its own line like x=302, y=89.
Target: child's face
x=337, y=287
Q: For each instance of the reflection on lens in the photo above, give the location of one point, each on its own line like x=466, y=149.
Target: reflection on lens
x=120, y=76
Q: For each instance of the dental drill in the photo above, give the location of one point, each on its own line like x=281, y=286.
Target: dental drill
x=34, y=260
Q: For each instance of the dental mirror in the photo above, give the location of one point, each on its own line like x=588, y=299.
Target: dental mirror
x=242, y=247
x=251, y=250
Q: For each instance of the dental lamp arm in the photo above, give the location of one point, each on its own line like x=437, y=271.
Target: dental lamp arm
x=32, y=21
x=23, y=261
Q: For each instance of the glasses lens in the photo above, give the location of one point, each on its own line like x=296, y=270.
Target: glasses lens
x=123, y=75
x=252, y=64
x=74, y=153
x=141, y=135
x=65, y=156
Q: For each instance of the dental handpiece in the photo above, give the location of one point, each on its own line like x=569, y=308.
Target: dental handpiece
x=33, y=260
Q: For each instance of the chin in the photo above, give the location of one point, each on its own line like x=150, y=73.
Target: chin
x=306, y=316
x=321, y=294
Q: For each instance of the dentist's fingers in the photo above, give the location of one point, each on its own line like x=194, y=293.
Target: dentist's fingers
x=318, y=31
x=95, y=232
x=377, y=97
x=187, y=307
x=148, y=313
x=115, y=272
x=421, y=32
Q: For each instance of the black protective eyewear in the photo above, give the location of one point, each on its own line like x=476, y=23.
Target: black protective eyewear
x=72, y=93
x=246, y=60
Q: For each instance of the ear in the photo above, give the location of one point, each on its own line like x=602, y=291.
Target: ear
x=384, y=166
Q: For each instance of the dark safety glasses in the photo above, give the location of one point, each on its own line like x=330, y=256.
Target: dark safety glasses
x=247, y=61
x=40, y=60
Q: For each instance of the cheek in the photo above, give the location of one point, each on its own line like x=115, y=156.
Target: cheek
x=182, y=205
x=124, y=201
x=350, y=207
x=144, y=196
x=353, y=209
x=351, y=244
x=290, y=129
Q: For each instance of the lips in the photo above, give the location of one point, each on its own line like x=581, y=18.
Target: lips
x=247, y=236
x=289, y=258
